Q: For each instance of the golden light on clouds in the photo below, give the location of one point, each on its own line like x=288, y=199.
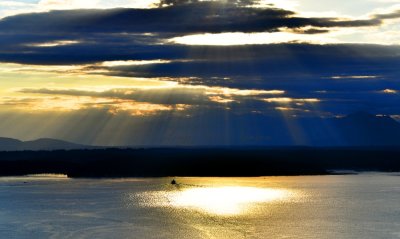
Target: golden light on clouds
x=220, y=99
x=43, y=103
x=62, y=88
x=54, y=43
x=136, y=97
x=240, y=92
x=240, y=38
x=354, y=77
x=291, y=109
x=133, y=62
x=32, y=69
x=143, y=109
x=390, y=91
x=70, y=103
x=291, y=100
x=14, y=76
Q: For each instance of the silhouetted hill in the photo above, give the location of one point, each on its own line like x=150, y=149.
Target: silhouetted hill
x=363, y=129
x=7, y=144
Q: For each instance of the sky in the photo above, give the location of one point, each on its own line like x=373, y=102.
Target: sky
x=188, y=72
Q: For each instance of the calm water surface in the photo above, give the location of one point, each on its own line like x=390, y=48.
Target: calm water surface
x=351, y=206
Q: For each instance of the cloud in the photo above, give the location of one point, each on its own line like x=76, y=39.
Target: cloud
x=386, y=16
x=14, y=4
x=360, y=77
x=341, y=99
x=389, y=91
x=67, y=4
x=178, y=95
x=54, y=44
x=68, y=103
x=153, y=34
x=175, y=2
x=180, y=19
x=285, y=100
x=230, y=39
x=143, y=43
x=11, y=8
x=271, y=65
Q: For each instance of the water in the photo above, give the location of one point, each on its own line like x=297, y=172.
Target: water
x=351, y=206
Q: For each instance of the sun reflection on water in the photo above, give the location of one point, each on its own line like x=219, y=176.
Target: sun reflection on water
x=223, y=201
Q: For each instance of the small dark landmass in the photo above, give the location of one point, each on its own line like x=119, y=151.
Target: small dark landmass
x=199, y=161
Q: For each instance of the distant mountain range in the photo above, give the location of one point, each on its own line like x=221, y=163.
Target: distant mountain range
x=358, y=129
x=366, y=129
x=7, y=144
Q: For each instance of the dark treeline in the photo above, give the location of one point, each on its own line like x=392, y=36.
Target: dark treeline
x=199, y=162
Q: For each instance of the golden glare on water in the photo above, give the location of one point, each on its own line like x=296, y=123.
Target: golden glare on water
x=222, y=201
